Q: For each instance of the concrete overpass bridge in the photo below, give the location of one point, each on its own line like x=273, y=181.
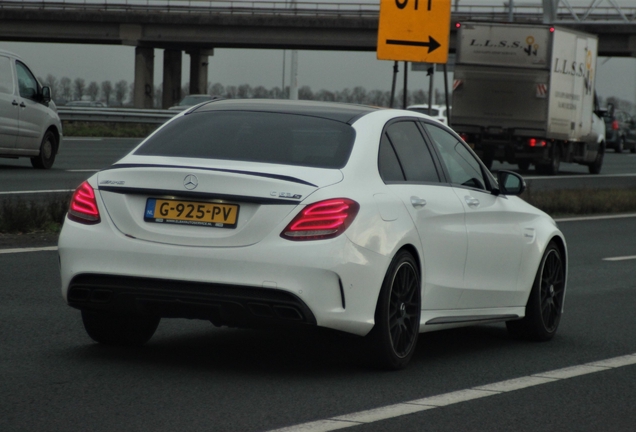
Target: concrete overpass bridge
x=198, y=26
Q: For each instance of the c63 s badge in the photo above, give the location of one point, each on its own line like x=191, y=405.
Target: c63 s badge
x=285, y=195
x=112, y=182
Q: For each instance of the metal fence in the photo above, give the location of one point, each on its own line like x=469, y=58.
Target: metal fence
x=115, y=115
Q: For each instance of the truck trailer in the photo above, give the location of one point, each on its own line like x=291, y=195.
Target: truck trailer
x=524, y=94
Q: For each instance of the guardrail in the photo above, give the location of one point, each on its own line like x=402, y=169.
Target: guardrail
x=115, y=115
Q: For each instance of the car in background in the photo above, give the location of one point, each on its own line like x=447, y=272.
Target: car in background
x=438, y=112
x=86, y=104
x=29, y=123
x=265, y=213
x=620, y=130
x=192, y=100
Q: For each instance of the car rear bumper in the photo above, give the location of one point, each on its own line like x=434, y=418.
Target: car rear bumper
x=330, y=283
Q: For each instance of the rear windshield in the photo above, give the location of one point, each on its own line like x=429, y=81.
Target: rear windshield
x=277, y=138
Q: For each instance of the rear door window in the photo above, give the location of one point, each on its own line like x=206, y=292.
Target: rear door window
x=415, y=159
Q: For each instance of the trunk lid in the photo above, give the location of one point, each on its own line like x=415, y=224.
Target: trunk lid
x=194, y=203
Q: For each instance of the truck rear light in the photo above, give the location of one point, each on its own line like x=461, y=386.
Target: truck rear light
x=322, y=220
x=464, y=137
x=533, y=142
x=83, y=207
x=615, y=125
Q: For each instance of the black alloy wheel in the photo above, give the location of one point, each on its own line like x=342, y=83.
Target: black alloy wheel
x=397, y=317
x=545, y=304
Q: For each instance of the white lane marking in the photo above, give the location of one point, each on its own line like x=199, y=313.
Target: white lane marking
x=418, y=405
x=593, y=218
x=37, y=191
x=82, y=139
x=82, y=170
x=33, y=249
x=623, y=258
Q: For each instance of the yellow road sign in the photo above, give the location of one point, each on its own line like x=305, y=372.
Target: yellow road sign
x=414, y=30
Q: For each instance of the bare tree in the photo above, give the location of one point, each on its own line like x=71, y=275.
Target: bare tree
x=121, y=90
x=131, y=93
x=157, y=96
x=325, y=95
x=260, y=92
x=93, y=90
x=275, y=93
x=217, y=89
x=65, y=88
x=244, y=91
x=305, y=93
x=79, y=88
x=231, y=92
x=359, y=95
x=51, y=81
x=107, y=91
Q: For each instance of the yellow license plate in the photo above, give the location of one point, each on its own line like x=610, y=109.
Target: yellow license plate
x=191, y=213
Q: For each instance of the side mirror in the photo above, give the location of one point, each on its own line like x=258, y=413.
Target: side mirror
x=46, y=94
x=510, y=183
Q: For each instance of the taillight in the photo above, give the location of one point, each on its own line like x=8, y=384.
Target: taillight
x=533, y=142
x=615, y=125
x=83, y=207
x=322, y=220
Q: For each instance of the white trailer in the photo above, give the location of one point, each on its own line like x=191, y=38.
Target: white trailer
x=524, y=94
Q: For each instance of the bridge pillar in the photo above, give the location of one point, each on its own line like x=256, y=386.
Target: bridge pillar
x=199, y=70
x=171, y=92
x=144, y=77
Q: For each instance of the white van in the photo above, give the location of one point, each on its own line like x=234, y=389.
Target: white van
x=29, y=123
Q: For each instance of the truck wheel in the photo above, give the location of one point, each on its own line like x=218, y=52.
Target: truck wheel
x=595, y=167
x=551, y=168
x=620, y=145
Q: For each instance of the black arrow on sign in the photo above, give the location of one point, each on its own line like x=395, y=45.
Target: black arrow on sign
x=432, y=44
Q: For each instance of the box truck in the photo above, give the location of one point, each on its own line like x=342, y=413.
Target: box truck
x=524, y=94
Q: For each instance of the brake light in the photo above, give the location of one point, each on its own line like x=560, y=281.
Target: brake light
x=83, y=207
x=533, y=142
x=615, y=125
x=322, y=220
x=464, y=137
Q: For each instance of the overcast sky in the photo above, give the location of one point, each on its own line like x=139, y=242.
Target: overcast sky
x=317, y=69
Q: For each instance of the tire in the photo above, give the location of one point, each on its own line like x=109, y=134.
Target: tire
x=397, y=316
x=595, y=167
x=115, y=329
x=48, y=150
x=551, y=168
x=524, y=165
x=545, y=303
x=620, y=145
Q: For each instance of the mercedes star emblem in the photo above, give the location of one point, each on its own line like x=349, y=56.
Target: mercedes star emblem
x=190, y=182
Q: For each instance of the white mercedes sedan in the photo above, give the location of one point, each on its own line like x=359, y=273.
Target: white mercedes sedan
x=376, y=222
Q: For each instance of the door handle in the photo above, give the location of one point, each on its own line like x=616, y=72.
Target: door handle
x=417, y=202
x=22, y=105
x=14, y=103
x=472, y=202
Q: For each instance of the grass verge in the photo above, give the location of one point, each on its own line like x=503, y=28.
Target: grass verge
x=580, y=202
x=18, y=215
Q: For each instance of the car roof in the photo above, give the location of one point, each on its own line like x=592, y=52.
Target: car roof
x=345, y=113
x=9, y=53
